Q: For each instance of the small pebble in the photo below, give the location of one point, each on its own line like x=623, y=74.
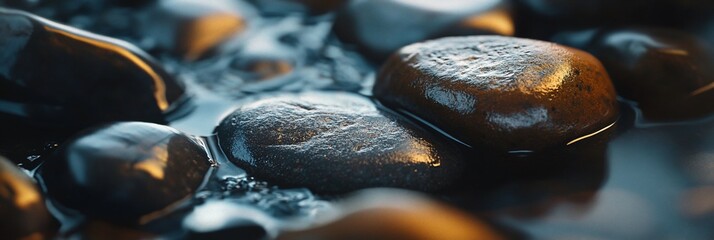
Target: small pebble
x=501, y=93
x=335, y=142
x=124, y=170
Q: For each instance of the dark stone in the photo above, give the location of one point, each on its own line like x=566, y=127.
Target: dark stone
x=501, y=93
x=669, y=73
x=615, y=11
x=22, y=207
x=540, y=19
x=225, y=220
x=124, y=170
x=193, y=29
x=64, y=10
x=380, y=27
x=55, y=76
x=335, y=142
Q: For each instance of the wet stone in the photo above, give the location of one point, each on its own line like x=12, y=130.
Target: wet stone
x=335, y=142
x=669, y=73
x=394, y=214
x=56, y=76
x=22, y=206
x=227, y=220
x=381, y=27
x=124, y=170
x=501, y=93
x=193, y=29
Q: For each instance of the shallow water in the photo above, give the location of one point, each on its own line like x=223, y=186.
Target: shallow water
x=656, y=181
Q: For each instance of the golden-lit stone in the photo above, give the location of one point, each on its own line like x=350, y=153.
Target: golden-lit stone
x=394, y=214
x=192, y=29
x=205, y=33
x=22, y=207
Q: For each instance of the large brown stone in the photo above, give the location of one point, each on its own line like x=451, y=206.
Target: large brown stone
x=502, y=93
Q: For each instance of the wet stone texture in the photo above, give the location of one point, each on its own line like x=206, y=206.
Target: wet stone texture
x=335, y=142
x=57, y=76
x=501, y=93
x=22, y=206
x=380, y=27
x=669, y=73
x=124, y=170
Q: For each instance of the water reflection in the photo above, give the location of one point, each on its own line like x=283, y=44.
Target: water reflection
x=529, y=185
x=656, y=186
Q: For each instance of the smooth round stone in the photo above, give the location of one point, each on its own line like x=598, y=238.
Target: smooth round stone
x=669, y=73
x=124, y=170
x=227, y=220
x=22, y=207
x=192, y=29
x=56, y=76
x=501, y=93
x=380, y=27
x=394, y=214
x=335, y=142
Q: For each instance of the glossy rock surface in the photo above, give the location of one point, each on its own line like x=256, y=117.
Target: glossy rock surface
x=394, y=214
x=501, y=93
x=669, y=73
x=58, y=76
x=124, y=170
x=381, y=27
x=335, y=142
x=22, y=206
